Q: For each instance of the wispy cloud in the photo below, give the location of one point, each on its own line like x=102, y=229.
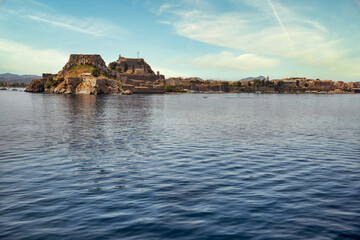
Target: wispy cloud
x=248, y=32
x=163, y=8
x=19, y=58
x=270, y=29
x=90, y=26
x=65, y=25
x=227, y=60
x=164, y=22
x=43, y=14
x=286, y=33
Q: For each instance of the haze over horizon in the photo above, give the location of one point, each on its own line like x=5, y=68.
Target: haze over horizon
x=227, y=40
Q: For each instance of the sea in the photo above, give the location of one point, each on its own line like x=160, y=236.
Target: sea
x=179, y=166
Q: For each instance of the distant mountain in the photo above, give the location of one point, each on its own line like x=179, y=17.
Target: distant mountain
x=253, y=78
x=14, y=78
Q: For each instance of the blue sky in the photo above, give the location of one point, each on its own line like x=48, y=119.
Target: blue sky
x=211, y=39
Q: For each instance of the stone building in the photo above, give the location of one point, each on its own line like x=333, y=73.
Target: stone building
x=139, y=71
x=173, y=82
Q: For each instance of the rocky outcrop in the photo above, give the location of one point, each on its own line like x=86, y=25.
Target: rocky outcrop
x=97, y=86
x=36, y=85
x=61, y=88
x=71, y=84
x=85, y=59
x=88, y=74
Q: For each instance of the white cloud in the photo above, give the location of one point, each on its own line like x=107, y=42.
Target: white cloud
x=164, y=22
x=234, y=30
x=19, y=58
x=269, y=29
x=163, y=8
x=227, y=60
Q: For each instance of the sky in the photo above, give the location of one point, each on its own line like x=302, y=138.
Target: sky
x=210, y=39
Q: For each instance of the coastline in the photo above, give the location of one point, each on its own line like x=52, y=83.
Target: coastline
x=88, y=74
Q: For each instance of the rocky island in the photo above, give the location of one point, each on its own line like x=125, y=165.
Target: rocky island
x=88, y=74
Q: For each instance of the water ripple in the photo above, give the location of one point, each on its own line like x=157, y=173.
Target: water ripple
x=233, y=166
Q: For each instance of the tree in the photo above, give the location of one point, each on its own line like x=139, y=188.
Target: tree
x=256, y=82
x=95, y=72
x=113, y=65
x=167, y=88
x=126, y=67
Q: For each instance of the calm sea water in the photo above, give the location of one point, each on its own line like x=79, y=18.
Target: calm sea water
x=229, y=166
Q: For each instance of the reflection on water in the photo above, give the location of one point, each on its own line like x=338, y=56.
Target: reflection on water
x=229, y=166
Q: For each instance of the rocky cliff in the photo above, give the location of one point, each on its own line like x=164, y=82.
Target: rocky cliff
x=99, y=86
x=85, y=59
x=36, y=85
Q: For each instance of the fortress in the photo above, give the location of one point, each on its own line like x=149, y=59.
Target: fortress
x=88, y=74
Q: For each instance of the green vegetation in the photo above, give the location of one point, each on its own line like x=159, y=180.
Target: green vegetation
x=76, y=71
x=269, y=84
x=113, y=65
x=257, y=82
x=119, y=69
x=167, y=88
x=95, y=72
x=81, y=67
x=236, y=84
x=53, y=82
x=126, y=67
x=178, y=89
x=197, y=81
x=120, y=86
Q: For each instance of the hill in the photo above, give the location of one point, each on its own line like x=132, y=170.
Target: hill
x=253, y=78
x=15, y=78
